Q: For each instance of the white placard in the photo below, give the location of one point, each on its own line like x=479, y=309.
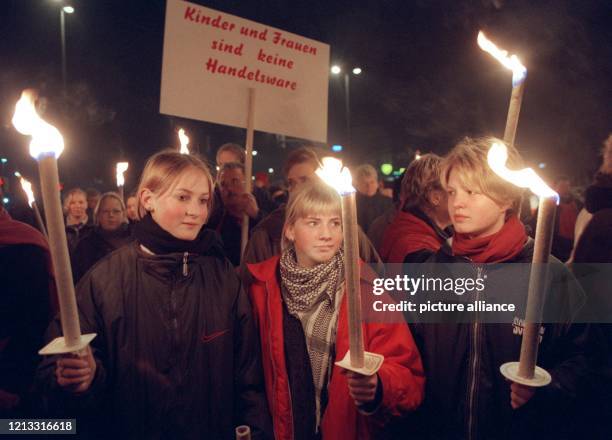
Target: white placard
x=211, y=59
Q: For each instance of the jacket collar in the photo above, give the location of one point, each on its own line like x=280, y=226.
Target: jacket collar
x=266, y=270
x=443, y=234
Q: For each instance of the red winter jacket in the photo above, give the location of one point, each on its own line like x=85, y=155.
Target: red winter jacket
x=401, y=374
x=405, y=235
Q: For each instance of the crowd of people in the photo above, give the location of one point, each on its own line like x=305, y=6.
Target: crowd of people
x=196, y=337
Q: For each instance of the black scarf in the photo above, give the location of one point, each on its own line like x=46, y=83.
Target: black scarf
x=157, y=240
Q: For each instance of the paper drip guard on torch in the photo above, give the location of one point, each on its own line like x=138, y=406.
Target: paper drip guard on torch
x=356, y=359
x=243, y=432
x=525, y=371
x=46, y=146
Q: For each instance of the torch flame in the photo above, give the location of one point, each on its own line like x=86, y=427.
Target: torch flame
x=519, y=72
x=525, y=178
x=336, y=176
x=121, y=168
x=27, y=187
x=46, y=139
x=184, y=139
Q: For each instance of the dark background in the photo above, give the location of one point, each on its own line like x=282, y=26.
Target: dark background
x=425, y=82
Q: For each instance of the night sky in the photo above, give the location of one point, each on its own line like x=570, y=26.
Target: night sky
x=425, y=82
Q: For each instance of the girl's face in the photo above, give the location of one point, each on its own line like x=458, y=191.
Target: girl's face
x=471, y=212
x=316, y=238
x=77, y=205
x=183, y=209
x=110, y=214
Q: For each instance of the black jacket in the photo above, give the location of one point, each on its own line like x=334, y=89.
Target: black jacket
x=74, y=233
x=370, y=207
x=598, y=196
x=177, y=353
x=466, y=396
x=94, y=246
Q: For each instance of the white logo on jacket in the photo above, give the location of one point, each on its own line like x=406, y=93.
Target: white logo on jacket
x=518, y=324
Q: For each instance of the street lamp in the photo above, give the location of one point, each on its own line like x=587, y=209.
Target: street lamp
x=336, y=70
x=64, y=10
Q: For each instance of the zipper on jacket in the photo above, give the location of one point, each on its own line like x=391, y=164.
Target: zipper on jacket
x=474, y=363
x=173, y=357
x=185, y=267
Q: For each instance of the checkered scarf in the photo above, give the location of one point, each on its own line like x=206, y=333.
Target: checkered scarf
x=313, y=296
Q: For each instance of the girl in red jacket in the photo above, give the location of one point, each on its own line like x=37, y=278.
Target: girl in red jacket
x=300, y=307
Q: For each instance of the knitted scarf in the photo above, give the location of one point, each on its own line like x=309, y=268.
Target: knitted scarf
x=313, y=296
x=501, y=246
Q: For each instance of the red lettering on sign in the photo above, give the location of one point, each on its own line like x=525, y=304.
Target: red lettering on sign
x=291, y=44
x=213, y=66
x=274, y=59
x=222, y=46
x=254, y=33
x=194, y=15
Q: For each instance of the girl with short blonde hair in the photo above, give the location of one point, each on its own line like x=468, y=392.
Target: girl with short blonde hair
x=299, y=303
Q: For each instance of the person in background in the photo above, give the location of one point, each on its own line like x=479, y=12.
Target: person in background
x=28, y=301
x=236, y=204
x=279, y=193
x=110, y=232
x=93, y=197
x=262, y=180
x=370, y=202
x=565, y=221
x=229, y=153
x=75, y=211
x=176, y=353
x=598, y=196
x=132, y=209
x=299, y=303
x=420, y=228
x=377, y=228
x=234, y=153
